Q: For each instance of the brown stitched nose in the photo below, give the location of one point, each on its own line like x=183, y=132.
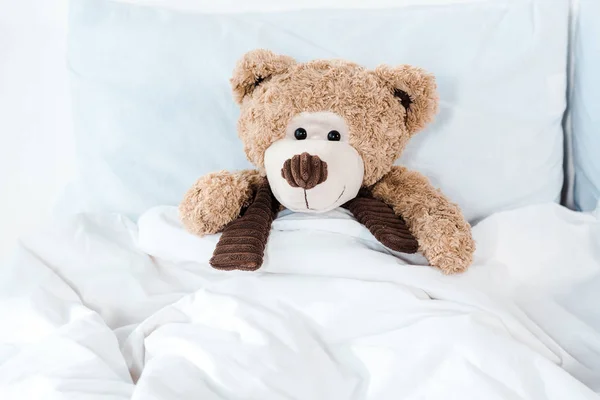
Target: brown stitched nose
x=304, y=170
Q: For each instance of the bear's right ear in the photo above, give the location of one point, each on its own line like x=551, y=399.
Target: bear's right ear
x=416, y=91
x=255, y=67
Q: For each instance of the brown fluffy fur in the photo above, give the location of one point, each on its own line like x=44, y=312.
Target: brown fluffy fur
x=364, y=98
x=271, y=89
x=217, y=199
x=443, y=234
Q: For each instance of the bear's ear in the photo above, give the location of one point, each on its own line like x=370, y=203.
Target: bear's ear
x=255, y=67
x=415, y=90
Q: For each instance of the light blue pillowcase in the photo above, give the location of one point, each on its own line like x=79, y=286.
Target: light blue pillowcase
x=585, y=111
x=153, y=109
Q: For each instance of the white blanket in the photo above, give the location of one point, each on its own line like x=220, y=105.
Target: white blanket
x=98, y=307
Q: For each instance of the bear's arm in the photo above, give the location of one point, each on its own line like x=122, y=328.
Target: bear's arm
x=443, y=234
x=217, y=199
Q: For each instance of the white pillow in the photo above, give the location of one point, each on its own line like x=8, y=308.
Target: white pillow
x=585, y=107
x=153, y=108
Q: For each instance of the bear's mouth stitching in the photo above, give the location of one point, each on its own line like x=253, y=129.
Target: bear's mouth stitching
x=306, y=199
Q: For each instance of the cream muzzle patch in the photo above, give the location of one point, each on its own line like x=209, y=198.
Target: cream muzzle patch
x=314, y=168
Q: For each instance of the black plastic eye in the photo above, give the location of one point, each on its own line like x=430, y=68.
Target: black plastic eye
x=300, y=134
x=334, y=136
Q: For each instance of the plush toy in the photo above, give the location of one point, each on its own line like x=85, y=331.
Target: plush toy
x=325, y=134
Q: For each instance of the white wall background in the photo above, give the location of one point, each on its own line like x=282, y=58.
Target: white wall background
x=36, y=153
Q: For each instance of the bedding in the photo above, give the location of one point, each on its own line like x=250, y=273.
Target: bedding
x=96, y=306
x=151, y=92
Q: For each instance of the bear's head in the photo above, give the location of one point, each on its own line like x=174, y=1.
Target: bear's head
x=321, y=130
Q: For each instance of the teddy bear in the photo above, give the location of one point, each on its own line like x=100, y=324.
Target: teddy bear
x=325, y=134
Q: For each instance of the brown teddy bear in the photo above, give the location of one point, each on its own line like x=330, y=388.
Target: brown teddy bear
x=325, y=134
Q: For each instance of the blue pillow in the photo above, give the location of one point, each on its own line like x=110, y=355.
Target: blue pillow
x=153, y=109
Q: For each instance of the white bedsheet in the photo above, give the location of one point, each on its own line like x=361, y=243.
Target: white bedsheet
x=98, y=307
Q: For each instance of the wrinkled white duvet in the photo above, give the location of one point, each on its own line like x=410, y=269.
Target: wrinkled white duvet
x=98, y=307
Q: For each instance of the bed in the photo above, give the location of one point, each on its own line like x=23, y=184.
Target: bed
x=113, y=299
x=101, y=307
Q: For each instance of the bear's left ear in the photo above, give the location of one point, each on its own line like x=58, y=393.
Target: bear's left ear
x=415, y=90
x=254, y=67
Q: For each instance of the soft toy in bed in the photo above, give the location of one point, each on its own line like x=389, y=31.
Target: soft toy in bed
x=325, y=134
